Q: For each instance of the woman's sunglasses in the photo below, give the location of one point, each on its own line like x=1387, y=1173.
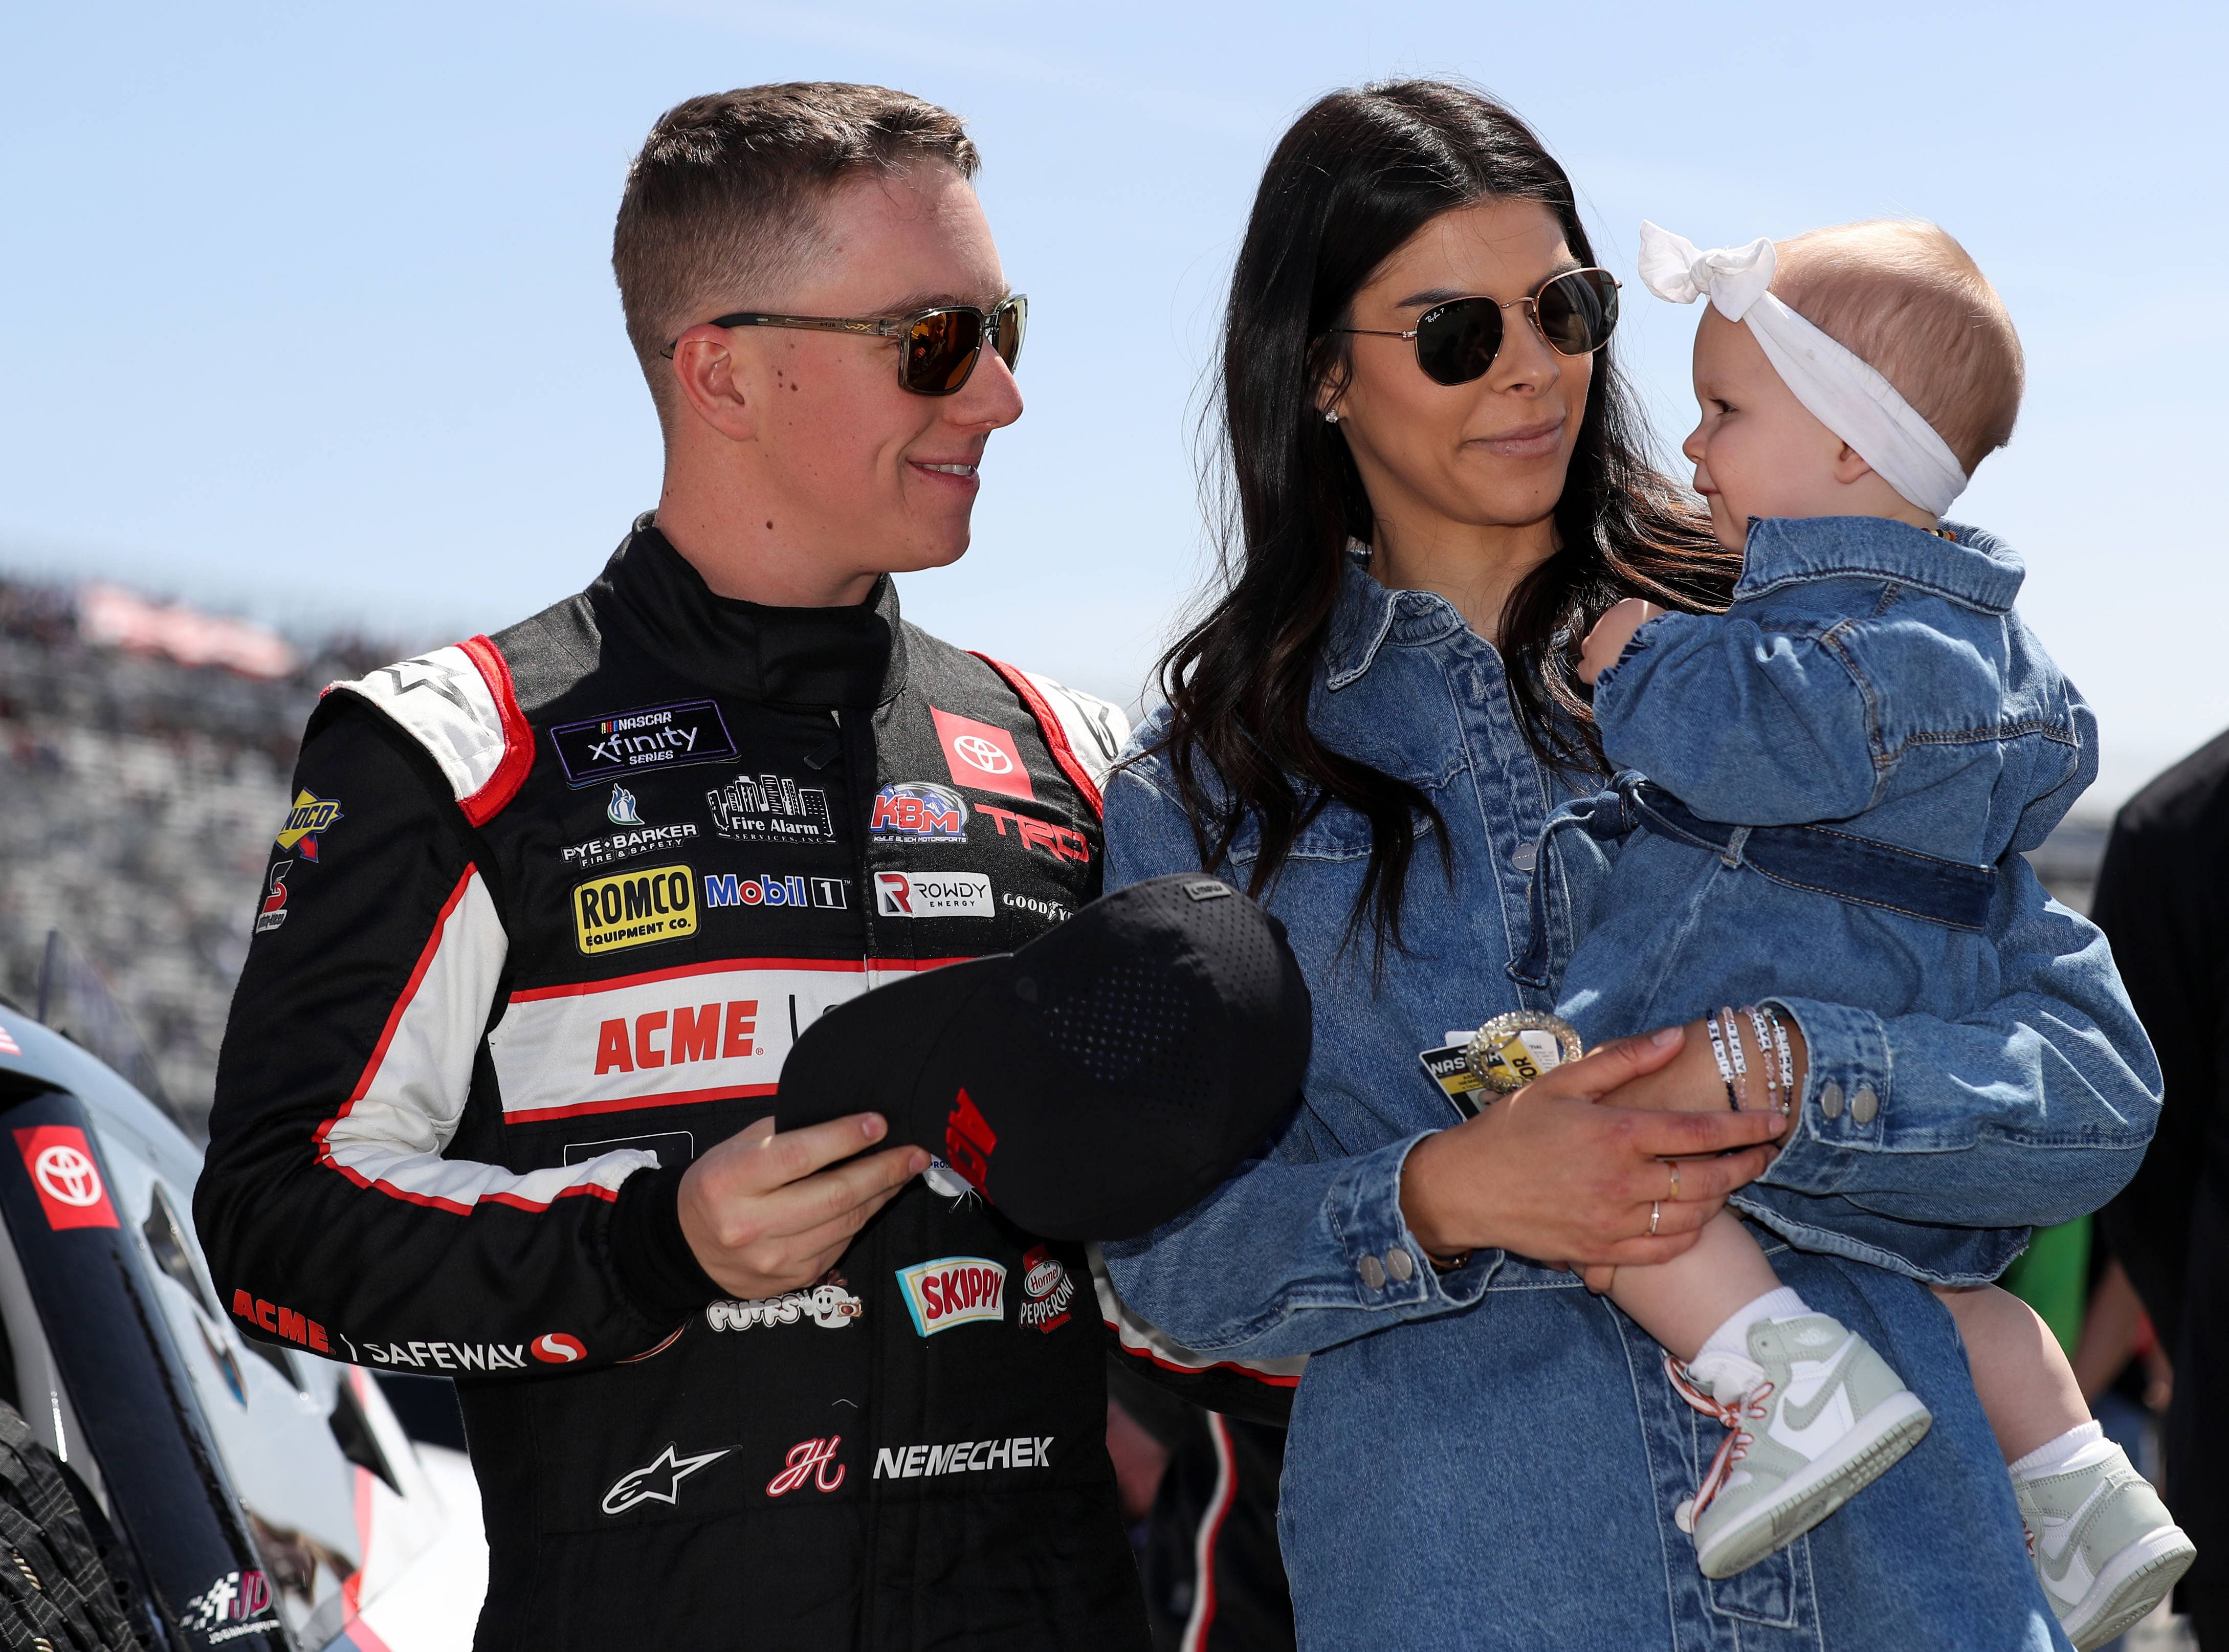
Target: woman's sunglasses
x=1457, y=341
x=937, y=349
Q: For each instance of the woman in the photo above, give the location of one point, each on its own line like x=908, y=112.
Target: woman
x=1367, y=730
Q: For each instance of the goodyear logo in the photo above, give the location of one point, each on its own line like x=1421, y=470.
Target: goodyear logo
x=309, y=815
x=634, y=908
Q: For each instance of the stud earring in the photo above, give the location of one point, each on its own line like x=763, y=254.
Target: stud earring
x=1331, y=415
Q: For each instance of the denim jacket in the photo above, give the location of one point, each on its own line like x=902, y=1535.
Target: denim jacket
x=1869, y=676
x=1490, y=1458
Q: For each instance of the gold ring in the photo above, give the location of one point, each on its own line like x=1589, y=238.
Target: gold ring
x=1674, y=1169
x=1655, y=1211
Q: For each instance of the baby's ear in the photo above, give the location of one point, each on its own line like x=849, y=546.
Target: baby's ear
x=1850, y=466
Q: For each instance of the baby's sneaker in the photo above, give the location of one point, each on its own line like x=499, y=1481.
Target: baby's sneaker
x=2104, y=1546
x=1814, y=1416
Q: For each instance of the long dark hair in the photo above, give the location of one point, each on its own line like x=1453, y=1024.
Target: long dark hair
x=1357, y=175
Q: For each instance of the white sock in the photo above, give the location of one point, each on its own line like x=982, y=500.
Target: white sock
x=1732, y=1337
x=2082, y=1447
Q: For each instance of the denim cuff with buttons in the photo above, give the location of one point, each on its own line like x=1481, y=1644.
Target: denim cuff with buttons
x=1846, y=1094
x=1385, y=1263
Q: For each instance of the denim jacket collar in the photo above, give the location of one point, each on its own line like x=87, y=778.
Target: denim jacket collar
x=1368, y=615
x=1979, y=570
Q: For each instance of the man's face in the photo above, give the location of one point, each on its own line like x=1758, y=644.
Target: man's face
x=869, y=475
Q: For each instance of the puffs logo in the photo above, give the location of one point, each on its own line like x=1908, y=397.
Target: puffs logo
x=310, y=815
x=635, y=910
x=954, y=1290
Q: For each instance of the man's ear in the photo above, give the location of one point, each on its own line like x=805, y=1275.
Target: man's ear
x=1850, y=466
x=708, y=382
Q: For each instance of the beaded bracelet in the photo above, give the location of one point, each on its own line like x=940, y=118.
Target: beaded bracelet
x=1725, y=1068
x=1757, y=1020
x=1734, y=1048
x=1787, y=1063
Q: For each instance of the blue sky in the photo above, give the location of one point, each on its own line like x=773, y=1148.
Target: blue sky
x=305, y=310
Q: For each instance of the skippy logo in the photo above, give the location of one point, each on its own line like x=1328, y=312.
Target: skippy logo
x=310, y=816
x=981, y=756
x=597, y=748
x=61, y=1163
x=827, y=1304
x=274, y=900
x=934, y=895
x=1047, y=1290
x=658, y=1481
x=954, y=1290
x=230, y=1607
x=918, y=811
x=808, y=1460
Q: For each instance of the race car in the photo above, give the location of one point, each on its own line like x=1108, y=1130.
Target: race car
x=164, y=1481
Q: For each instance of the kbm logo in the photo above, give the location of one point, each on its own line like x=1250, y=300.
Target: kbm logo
x=635, y=910
x=919, y=809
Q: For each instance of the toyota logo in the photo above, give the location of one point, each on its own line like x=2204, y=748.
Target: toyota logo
x=68, y=1176
x=978, y=753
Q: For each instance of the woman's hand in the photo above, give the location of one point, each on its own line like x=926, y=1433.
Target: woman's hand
x=1690, y=1082
x=1548, y=1174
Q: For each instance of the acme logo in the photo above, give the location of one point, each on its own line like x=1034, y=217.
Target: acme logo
x=280, y=1323
x=698, y=1033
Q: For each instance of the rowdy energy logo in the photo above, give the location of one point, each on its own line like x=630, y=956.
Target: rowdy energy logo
x=634, y=908
x=918, y=811
x=934, y=895
x=309, y=815
x=598, y=749
x=954, y=1290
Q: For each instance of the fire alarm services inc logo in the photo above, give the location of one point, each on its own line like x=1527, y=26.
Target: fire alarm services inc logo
x=60, y=1161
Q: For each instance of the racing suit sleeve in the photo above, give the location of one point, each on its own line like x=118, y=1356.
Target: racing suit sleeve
x=331, y=1210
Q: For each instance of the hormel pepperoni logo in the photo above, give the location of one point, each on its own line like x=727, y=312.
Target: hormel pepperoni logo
x=555, y=1348
x=954, y=1290
x=60, y=1161
x=981, y=756
x=969, y=1141
x=1047, y=1290
x=282, y=1322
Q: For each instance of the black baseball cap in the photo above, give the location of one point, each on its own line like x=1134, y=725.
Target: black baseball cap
x=1096, y=1082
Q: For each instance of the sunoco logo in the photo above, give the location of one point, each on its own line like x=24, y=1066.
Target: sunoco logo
x=635, y=910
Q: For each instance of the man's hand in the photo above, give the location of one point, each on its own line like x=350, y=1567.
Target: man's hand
x=764, y=1217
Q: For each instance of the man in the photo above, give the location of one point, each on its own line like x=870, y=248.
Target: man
x=551, y=907
x=2163, y=901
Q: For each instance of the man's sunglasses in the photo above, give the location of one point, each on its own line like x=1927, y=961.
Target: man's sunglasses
x=1457, y=342
x=937, y=349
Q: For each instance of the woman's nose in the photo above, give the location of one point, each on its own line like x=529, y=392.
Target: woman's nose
x=1524, y=360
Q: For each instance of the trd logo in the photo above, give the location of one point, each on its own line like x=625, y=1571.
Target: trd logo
x=1058, y=841
x=280, y=1323
x=725, y=889
x=635, y=910
x=969, y=1141
x=700, y=1032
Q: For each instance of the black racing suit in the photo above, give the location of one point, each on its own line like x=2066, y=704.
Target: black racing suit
x=548, y=912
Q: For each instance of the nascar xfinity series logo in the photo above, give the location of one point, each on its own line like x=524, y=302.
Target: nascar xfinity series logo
x=918, y=811
x=954, y=1290
x=596, y=749
x=635, y=910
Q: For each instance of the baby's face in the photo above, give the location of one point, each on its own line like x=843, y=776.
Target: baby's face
x=1758, y=452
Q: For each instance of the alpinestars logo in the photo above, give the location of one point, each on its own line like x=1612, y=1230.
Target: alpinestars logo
x=274, y=900
x=658, y=1481
x=237, y=1604
x=771, y=808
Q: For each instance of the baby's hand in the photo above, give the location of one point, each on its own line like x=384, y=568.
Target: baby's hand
x=1611, y=633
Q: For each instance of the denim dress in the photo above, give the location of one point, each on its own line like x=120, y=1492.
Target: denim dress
x=1490, y=1458
x=1819, y=786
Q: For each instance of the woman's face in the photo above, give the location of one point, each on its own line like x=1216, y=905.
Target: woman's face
x=1489, y=453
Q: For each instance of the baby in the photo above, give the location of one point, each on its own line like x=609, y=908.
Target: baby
x=1834, y=769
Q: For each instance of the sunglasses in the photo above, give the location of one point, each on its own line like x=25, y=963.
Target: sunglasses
x=1457, y=342
x=937, y=348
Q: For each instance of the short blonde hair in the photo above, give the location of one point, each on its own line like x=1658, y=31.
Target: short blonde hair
x=1905, y=298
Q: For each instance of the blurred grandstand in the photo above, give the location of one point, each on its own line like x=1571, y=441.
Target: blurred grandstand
x=145, y=755
x=144, y=751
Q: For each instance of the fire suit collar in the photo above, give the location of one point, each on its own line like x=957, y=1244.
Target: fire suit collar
x=814, y=657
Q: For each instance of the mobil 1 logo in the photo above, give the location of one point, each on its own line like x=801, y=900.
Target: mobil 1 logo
x=650, y=736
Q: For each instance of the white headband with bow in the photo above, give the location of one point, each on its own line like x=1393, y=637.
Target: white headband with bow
x=1842, y=392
